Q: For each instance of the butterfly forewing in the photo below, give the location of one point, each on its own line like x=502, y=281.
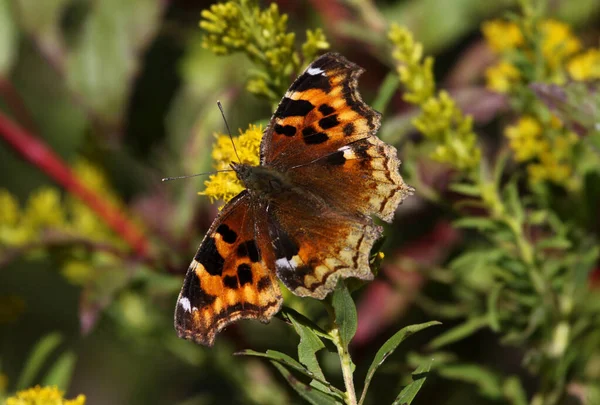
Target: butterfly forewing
x=230, y=276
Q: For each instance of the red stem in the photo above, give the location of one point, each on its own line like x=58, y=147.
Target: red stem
x=36, y=152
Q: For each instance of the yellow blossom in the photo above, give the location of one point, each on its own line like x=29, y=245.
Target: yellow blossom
x=226, y=185
x=558, y=42
x=9, y=208
x=502, y=35
x=525, y=138
x=43, y=396
x=502, y=77
x=44, y=209
x=585, y=66
x=416, y=73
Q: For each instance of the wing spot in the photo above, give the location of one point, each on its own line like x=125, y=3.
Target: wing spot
x=210, y=258
x=264, y=283
x=326, y=109
x=227, y=233
x=287, y=130
x=249, y=249
x=348, y=129
x=293, y=108
x=329, y=122
x=244, y=272
x=230, y=282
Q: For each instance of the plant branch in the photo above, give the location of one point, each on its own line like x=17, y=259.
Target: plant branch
x=346, y=364
x=40, y=155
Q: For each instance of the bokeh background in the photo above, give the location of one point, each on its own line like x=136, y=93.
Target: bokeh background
x=100, y=99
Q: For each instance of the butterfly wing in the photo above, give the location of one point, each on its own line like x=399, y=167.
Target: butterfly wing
x=229, y=278
x=322, y=135
x=315, y=247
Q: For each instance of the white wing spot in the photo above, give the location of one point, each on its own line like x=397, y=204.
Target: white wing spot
x=185, y=304
x=314, y=71
x=285, y=264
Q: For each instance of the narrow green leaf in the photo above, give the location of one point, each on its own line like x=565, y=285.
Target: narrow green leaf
x=470, y=190
x=513, y=201
x=309, y=345
x=345, y=313
x=492, y=304
x=479, y=223
x=389, y=347
x=514, y=391
x=488, y=383
x=40, y=353
x=386, y=91
x=408, y=394
x=311, y=394
x=287, y=361
x=8, y=37
x=557, y=242
x=287, y=312
x=460, y=332
x=61, y=371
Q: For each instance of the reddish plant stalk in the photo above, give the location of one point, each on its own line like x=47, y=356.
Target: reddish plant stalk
x=39, y=154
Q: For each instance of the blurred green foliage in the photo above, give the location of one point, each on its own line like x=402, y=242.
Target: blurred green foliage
x=124, y=94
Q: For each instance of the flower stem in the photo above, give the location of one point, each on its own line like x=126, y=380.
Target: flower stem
x=39, y=154
x=346, y=363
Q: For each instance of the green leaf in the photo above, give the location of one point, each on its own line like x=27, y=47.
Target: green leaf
x=287, y=313
x=61, y=371
x=492, y=304
x=511, y=193
x=8, y=37
x=479, y=223
x=39, y=355
x=389, y=347
x=489, y=384
x=514, y=392
x=287, y=361
x=408, y=394
x=470, y=190
x=460, y=332
x=105, y=59
x=386, y=91
x=345, y=313
x=308, y=347
x=312, y=395
x=556, y=242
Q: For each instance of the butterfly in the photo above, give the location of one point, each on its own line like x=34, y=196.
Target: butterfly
x=305, y=216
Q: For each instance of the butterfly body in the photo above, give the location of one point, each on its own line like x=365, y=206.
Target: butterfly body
x=305, y=217
x=262, y=181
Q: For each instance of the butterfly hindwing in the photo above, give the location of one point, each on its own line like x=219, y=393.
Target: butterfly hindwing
x=229, y=278
x=313, y=251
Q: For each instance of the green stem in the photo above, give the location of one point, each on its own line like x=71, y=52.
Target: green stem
x=346, y=363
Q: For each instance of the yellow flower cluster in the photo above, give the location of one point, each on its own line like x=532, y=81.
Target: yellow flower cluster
x=548, y=155
x=416, y=73
x=585, y=66
x=43, y=396
x=225, y=185
x=48, y=214
x=550, y=52
x=241, y=26
x=440, y=121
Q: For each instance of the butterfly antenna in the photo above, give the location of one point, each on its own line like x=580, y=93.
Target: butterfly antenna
x=228, y=130
x=194, y=175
